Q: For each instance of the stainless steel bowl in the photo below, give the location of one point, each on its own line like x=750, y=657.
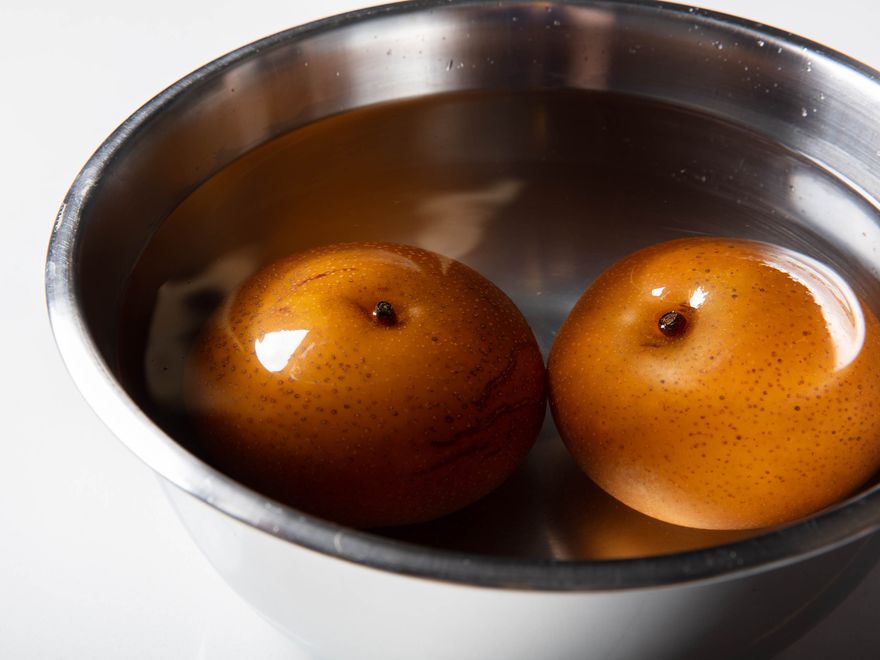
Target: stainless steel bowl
x=727, y=127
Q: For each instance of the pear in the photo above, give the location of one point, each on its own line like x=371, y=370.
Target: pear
x=372, y=384
x=720, y=384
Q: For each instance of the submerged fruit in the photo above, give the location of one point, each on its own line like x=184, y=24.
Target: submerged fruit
x=719, y=383
x=369, y=383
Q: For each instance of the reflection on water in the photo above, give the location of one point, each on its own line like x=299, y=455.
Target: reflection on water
x=550, y=509
x=455, y=222
x=822, y=205
x=837, y=302
x=181, y=306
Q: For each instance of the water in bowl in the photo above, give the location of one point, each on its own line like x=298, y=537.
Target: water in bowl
x=540, y=192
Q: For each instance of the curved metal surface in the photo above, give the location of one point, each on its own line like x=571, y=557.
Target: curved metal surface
x=810, y=100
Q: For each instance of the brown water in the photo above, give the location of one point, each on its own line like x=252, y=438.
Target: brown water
x=538, y=191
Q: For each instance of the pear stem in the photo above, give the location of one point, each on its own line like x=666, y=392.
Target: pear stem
x=673, y=324
x=384, y=313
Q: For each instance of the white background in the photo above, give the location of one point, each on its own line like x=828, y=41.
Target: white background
x=93, y=563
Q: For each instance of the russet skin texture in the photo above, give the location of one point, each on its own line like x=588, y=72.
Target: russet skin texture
x=763, y=407
x=300, y=387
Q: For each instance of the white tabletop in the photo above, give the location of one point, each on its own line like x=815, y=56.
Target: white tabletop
x=94, y=563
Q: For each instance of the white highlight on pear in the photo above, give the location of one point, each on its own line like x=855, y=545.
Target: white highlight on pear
x=275, y=349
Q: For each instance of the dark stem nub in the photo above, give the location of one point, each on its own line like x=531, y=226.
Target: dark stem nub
x=384, y=313
x=673, y=324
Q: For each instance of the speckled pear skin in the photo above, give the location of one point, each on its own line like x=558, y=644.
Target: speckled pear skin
x=764, y=409
x=298, y=389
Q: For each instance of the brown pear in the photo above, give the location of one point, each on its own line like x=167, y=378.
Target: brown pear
x=719, y=383
x=369, y=383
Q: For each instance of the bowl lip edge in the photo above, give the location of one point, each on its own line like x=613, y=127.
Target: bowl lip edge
x=841, y=524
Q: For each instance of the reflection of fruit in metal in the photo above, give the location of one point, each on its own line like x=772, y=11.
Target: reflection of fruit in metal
x=588, y=522
x=757, y=404
x=548, y=508
x=370, y=383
